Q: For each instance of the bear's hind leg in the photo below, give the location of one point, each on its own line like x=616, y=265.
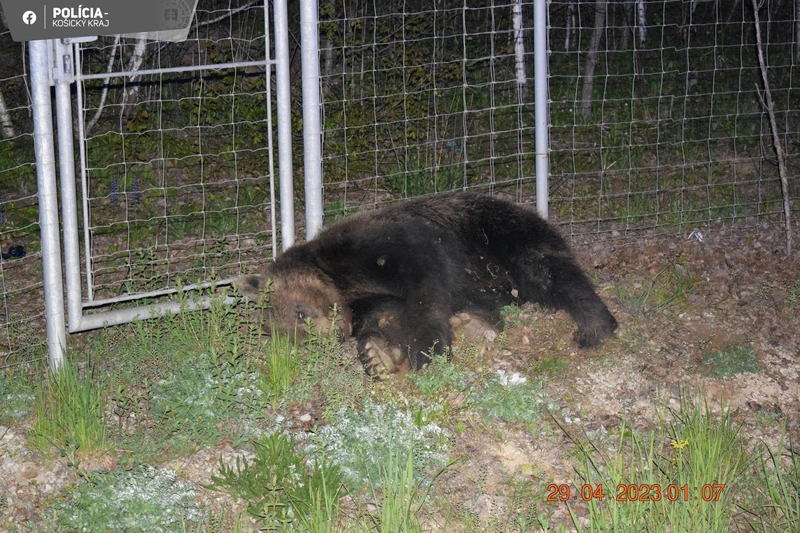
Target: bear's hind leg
x=555, y=280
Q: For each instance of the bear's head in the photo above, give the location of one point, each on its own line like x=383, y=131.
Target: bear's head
x=293, y=297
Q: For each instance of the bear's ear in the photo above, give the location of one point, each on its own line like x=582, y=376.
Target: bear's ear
x=252, y=286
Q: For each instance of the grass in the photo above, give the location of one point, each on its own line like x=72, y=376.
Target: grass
x=777, y=502
x=281, y=488
x=642, y=482
x=69, y=408
x=413, y=176
x=401, y=496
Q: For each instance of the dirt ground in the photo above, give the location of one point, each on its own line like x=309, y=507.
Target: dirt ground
x=678, y=301
x=743, y=293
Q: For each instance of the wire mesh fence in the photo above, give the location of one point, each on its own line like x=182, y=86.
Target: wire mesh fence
x=21, y=288
x=655, y=116
x=173, y=169
x=422, y=97
x=177, y=164
x=671, y=133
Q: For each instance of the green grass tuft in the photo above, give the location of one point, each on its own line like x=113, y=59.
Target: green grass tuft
x=281, y=486
x=70, y=414
x=683, y=483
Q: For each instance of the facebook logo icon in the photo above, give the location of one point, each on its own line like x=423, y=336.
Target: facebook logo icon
x=29, y=17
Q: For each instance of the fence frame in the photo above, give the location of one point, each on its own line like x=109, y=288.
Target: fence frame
x=56, y=63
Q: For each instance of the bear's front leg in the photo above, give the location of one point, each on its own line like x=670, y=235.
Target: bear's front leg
x=392, y=336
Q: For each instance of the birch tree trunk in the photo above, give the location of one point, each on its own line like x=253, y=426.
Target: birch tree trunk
x=570, y=36
x=641, y=20
x=131, y=95
x=5, y=119
x=591, y=57
x=519, y=50
x=628, y=26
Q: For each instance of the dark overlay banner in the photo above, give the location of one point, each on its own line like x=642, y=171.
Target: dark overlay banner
x=29, y=20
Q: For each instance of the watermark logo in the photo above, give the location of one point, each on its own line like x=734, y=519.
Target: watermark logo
x=174, y=15
x=29, y=18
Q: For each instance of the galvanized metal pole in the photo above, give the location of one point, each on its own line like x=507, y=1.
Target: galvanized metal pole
x=270, y=148
x=284, y=105
x=541, y=118
x=312, y=130
x=63, y=74
x=40, y=56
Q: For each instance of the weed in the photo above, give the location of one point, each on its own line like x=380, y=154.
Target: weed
x=513, y=315
x=401, y=496
x=281, y=487
x=191, y=404
x=69, y=414
x=730, y=360
x=16, y=398
x=441, y=375
x=793, y=292
x=549, y=366
x=321, y=506
x=142, y=499
x=412, y=177
x=668, y=289
x=362, y=443
x=335, y=211
x=281, y=367
x=329, y=370
x=511, y=398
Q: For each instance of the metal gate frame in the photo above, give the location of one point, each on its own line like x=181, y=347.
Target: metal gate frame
x=57, y=63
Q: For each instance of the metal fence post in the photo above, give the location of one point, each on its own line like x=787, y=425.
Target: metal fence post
x=284, y=105
x=312, y=129
x=541, y=111
x=40, y=53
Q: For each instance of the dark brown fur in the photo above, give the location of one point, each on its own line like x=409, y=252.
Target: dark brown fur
x=421, y=262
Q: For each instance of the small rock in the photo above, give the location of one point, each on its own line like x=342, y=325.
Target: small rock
x=306, y=418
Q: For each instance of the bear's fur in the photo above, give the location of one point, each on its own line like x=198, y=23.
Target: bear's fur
x=400, y=273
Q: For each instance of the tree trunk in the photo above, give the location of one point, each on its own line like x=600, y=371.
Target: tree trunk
x=131, y=96
x=773, y=125
x=628, y=25
x=570, y=36
x=591, y=57
x=797, y=29
x=519, y=51
x=5, y=119
x=641, y=20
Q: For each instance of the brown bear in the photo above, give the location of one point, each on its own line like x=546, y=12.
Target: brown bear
x=398, y=274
